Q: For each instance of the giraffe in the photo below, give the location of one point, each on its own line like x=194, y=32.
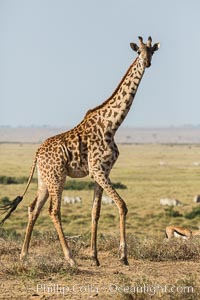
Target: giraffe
x=87, y=149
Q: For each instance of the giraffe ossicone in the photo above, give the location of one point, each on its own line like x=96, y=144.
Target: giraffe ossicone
x=87, y=149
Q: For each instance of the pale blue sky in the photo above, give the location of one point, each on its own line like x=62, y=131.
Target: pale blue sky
x=59, y=58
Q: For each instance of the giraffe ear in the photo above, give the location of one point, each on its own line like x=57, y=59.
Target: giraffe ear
x=156, y=47
x=134, y=46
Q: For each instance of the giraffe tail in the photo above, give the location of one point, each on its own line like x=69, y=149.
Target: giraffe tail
x=12, y=205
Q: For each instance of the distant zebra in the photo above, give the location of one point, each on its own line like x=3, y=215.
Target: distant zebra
x=170, y=202
x=72, y=200
x=107, y=200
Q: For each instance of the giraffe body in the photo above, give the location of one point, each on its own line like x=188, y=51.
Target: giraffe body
x=87, y=149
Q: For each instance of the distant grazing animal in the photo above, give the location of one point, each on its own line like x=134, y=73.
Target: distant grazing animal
x=87, y=149
x=180, y=232
x=170, y=202
x=196, y=163
x=107, y=200
x=72, y=200
x=196, y=199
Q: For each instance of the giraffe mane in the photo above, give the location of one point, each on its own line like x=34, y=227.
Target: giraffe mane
x=113, y=94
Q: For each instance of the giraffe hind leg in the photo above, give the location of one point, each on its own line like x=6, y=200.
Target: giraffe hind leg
x=33, y=213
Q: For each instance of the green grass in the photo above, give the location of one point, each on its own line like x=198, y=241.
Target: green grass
x=138, y=168
x=69, y=185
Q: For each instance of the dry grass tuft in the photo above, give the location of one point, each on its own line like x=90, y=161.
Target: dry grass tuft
x=46, y=259
x=163, y=250
x=36, y=267
x=153, y=249
x=46, y=262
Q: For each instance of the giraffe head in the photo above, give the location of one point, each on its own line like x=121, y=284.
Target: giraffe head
x=145, y=51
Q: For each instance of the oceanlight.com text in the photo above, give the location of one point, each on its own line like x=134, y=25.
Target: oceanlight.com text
x=113, y=288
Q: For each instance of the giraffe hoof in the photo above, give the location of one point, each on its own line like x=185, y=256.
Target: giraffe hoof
x=23, y=257
x=124, y=261
x=95, y=261
x=72, y=263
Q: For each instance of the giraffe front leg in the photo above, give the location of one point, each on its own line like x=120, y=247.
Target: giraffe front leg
x=95, y=217
x=54, y=212
x=106, y=184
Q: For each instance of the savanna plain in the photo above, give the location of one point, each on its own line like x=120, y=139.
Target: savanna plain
x=157, y=269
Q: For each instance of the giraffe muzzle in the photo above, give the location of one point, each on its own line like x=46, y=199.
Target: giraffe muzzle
x=148, y=64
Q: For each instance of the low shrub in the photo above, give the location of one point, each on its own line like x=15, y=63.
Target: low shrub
x=14, y=180
x=193, y=214
x=170, y=212
x=69, y=185
x=78, y=185
x=87, y=185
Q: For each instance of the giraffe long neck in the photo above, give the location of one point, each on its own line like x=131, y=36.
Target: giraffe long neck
x=118, y=105
x=108, y=116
